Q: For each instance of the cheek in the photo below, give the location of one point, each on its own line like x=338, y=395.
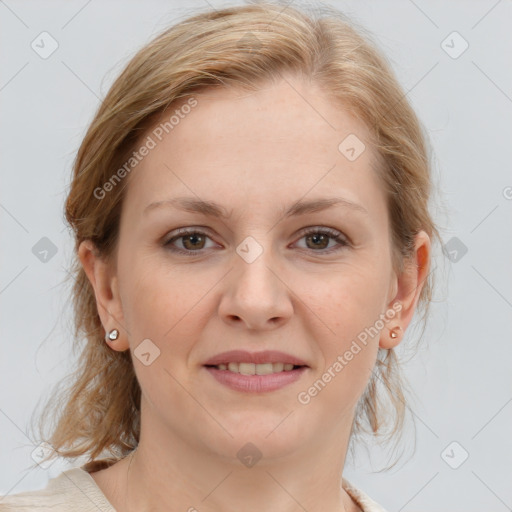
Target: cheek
x=349, y=305
x=347, y=299
x=165, y=304
x=349, y=346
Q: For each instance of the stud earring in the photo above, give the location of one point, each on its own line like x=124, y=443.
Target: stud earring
x=392, y=332
x=112, y=335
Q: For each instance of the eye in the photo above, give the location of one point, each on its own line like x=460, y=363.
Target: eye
x=193, y=241
x=319, y=238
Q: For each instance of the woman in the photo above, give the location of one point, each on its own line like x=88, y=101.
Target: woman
x=250, y=207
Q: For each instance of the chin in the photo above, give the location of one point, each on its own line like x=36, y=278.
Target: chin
x=272, y=438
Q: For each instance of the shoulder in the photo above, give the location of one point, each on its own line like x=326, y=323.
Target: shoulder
x=364, y=501
x=74, y=490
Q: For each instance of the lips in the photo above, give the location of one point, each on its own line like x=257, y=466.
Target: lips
x=265, y=356
x=265, y=371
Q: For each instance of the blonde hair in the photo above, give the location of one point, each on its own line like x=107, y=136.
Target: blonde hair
x=99, y=409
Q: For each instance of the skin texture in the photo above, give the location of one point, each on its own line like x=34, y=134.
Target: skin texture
x=256, y=154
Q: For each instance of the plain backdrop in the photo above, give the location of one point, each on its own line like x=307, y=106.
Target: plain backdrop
x=453, y=60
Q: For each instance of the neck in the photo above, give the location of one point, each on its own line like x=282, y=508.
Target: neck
x=174, y=475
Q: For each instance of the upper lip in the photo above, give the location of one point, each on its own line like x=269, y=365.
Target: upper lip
x=265, y=356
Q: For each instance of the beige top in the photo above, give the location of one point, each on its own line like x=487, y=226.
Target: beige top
x=75, y=490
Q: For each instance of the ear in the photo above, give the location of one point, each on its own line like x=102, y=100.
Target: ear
x=408, y=286
x=105, y=284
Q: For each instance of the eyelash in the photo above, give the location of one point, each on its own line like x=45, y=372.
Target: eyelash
x=331, y=233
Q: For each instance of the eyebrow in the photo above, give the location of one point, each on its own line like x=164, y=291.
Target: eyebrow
x=210, y=208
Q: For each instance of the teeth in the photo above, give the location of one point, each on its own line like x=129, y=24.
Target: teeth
x=248, y=368
x=256, y=369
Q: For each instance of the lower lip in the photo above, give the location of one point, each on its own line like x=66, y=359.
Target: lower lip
x=256, y=383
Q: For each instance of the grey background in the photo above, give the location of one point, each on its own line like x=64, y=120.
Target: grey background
x=461, y=375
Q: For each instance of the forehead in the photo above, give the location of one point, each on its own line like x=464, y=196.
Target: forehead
x=241, y=148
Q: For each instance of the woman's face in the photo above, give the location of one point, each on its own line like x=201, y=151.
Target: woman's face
x=254, y=280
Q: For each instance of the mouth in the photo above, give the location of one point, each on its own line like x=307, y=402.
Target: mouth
x=255, y=369
x=255, y=372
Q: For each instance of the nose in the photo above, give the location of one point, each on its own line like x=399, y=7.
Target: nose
x=256, y=294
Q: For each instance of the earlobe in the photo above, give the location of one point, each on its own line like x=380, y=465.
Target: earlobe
x=408, y=289
x=107, y=296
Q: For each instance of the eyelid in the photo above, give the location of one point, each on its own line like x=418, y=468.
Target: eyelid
x=336, y=235
x=302, y=232
x=326, y=229
x=178, y=233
